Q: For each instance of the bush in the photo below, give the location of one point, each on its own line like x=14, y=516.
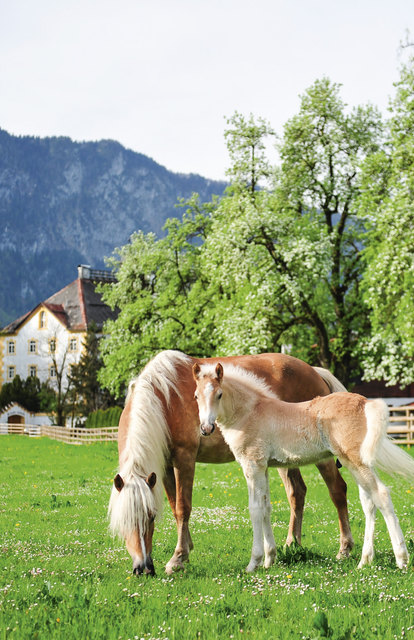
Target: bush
x=103, y=418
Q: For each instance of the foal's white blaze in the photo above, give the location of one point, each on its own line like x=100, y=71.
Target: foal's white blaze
x=207, y=409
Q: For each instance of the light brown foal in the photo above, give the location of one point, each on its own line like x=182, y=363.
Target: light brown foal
x=260, y=428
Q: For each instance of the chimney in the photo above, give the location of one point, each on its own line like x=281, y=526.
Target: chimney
x=84, y=272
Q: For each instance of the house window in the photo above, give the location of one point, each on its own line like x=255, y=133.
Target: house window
x=11, y=372
x=11, y=347
x=52, y=372
x=52, y=345
x=42, y=320
x=32, y=346
x=73, y=344
x=32, y=371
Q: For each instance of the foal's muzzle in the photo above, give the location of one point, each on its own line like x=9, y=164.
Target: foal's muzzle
x=207, y=429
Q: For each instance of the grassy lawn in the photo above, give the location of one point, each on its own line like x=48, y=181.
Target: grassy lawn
x=63, y=576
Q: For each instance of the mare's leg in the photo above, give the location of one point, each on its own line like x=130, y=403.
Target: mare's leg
x=337, y=490
x=184, y=466
x=296, y=491
x=256, y=484
x=171, y=491
x=269, y=540
x=380, y=496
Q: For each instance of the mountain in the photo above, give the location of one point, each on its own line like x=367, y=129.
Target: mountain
x=64, y=203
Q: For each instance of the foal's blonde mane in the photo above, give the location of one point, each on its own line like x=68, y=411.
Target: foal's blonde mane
x=234, y=376
x=147, y=444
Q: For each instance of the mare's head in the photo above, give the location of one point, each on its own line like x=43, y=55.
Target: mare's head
x=132, y=514
x=208, y=395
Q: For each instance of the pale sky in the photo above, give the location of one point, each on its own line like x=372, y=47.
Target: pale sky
x=162, y=76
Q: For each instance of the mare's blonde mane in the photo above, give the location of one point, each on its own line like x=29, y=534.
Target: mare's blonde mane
x=147, y=444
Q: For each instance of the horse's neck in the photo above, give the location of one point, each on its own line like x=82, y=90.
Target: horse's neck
x=238, y=400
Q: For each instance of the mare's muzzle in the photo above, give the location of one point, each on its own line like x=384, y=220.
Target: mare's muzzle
x=207, y=429
x=146, y=567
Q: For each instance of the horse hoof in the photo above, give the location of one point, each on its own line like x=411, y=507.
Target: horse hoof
x=174, y=566
x=402, y=563
x=366, y=560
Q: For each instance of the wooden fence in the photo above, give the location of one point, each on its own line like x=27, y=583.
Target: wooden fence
x=63, y=434
x=401, y=429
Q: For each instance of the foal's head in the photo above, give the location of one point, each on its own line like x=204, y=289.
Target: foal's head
x=208, y=395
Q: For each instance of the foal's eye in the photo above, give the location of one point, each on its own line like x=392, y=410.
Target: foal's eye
x=196, y=395
x=220, y=393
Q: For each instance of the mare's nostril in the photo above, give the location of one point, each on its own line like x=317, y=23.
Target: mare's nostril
x=137, y=571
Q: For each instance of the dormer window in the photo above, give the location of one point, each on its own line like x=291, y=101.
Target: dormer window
x=42, y=320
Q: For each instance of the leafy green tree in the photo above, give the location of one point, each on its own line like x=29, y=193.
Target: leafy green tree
x=388, y=204
x=288, y=258
x=246, y=143
x=160, y=294
x=277, y=261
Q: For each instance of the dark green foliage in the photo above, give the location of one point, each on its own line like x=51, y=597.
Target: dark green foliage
x=103, y=418
x=29, y=393
x=86, y=393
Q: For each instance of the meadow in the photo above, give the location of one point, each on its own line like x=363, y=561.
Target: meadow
x=64, y=576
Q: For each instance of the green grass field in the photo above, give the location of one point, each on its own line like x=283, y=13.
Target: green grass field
x=64, y=576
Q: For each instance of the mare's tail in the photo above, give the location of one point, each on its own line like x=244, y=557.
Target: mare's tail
x=328, y=377
x=379, y=450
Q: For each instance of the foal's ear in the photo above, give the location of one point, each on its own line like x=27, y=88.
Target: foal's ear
x=118, y=482
x=151, y=480
x=219, y=372
x=196, y=371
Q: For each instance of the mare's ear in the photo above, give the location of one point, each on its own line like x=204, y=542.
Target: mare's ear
x=151, y=480
x=196, y=371
x=118, y=482
x=219, y=372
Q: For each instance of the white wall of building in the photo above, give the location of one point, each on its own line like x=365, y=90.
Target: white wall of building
x=38, y=345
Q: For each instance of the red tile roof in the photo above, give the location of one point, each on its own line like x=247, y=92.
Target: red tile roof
x=76, y=306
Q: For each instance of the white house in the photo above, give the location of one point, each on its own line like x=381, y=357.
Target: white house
x=47, y=340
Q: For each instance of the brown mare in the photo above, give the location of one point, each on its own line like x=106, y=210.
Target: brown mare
x=261, y=429
x=159, y=438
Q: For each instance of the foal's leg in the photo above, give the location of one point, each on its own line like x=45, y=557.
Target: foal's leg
x=369, y=510
x=380, y=496
x=256, y=483
x=296, y=491
x=269, y=540
x=337, y=490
